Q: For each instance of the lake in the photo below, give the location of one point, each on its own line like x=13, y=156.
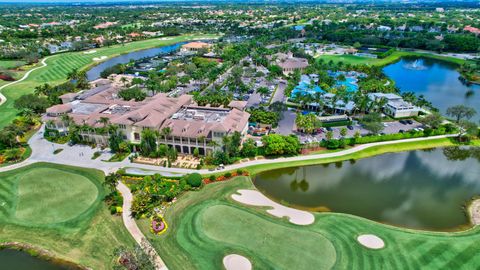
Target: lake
x=435, y=79
x=20, y=260
x=94, y=72
x=417, y=189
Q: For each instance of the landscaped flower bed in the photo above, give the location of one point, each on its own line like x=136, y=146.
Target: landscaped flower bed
x=158, y=224
x=225, y=176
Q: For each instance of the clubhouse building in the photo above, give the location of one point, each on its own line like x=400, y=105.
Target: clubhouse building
x=184, y=124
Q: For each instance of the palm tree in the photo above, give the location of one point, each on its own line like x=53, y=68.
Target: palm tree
x=213, y=144
x=72, y=75
x=165, y=133
x=28, y=114
x=66, y=119
x=104, y=121
x=318, y=97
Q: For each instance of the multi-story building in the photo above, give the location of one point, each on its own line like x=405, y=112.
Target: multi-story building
x=179, y=122
x=395, y=106
x=289, y=63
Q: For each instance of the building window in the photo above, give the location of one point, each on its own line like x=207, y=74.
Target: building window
x=136, y=136
x=122, y=126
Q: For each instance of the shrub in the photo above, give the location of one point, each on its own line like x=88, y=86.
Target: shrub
x=228, y=174
x=194, y=180
x=212, y=178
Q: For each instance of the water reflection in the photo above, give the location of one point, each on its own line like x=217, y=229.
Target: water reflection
x=94, y=72
x=438, y=82
x=419, y=189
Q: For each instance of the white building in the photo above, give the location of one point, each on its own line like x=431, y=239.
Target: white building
x=396, y=107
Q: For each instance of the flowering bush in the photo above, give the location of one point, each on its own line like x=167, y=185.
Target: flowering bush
x=226, y=176
x=158, y=224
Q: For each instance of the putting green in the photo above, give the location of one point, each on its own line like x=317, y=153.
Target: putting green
x=51, y=196
x=227, y=224
x=45, y=195
x=59, y=208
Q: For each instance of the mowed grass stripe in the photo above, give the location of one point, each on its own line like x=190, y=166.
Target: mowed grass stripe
x=468, y=258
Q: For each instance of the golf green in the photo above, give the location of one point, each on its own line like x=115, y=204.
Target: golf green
x=59, y=209
x=47, y=196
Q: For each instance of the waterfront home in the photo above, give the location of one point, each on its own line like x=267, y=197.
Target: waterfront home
x=195, y=46
x=395, y=106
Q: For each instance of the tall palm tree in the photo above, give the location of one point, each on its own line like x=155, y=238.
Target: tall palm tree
x=73, y=74
x=165, y=133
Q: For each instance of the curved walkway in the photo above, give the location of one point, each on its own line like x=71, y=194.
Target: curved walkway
x=3, y=98
x=132, y=227
x=80, y=156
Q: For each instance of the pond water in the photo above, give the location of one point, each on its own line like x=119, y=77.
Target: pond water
x=94, y=72
x=418, y=189
x=20, y=260
x=436, y=80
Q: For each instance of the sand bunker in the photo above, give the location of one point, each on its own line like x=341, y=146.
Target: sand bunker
x=90, y=52
x=99, y=58
x=236, y=262
x=165, y=38
x=371, y=241
x=254, y=197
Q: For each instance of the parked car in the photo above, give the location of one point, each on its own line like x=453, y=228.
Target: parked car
x=403, y=122
x=401, y=131
x=329, y=129
x=409, y=121
x=350, y=127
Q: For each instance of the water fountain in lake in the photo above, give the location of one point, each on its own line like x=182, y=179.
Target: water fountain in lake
x=415, y=65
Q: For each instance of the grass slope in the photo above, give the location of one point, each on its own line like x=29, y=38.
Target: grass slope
x=395, y=56
x=60, y=208
x=60, y=65
x=371, y=151
x=206, y=225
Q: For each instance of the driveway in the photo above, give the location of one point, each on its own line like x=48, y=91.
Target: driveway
x=280, y=93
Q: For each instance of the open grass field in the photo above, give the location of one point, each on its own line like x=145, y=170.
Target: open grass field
x=60, y=209
x=206, y=225
x=395, y=56
x=59, y=65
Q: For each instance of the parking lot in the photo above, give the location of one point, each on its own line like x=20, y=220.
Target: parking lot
x=389, y=128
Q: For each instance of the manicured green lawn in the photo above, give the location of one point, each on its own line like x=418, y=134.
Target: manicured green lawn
x=10, y=63
x=60, y=64
x=60, y=208
x=358, y=60
x=41, y=190
x=206, y=225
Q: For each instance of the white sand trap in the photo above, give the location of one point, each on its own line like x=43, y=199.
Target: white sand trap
x=371, y=241
x=165, y=38
x=236, y=262
x=90, y=52
x=254, y=197
x=99, y=58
